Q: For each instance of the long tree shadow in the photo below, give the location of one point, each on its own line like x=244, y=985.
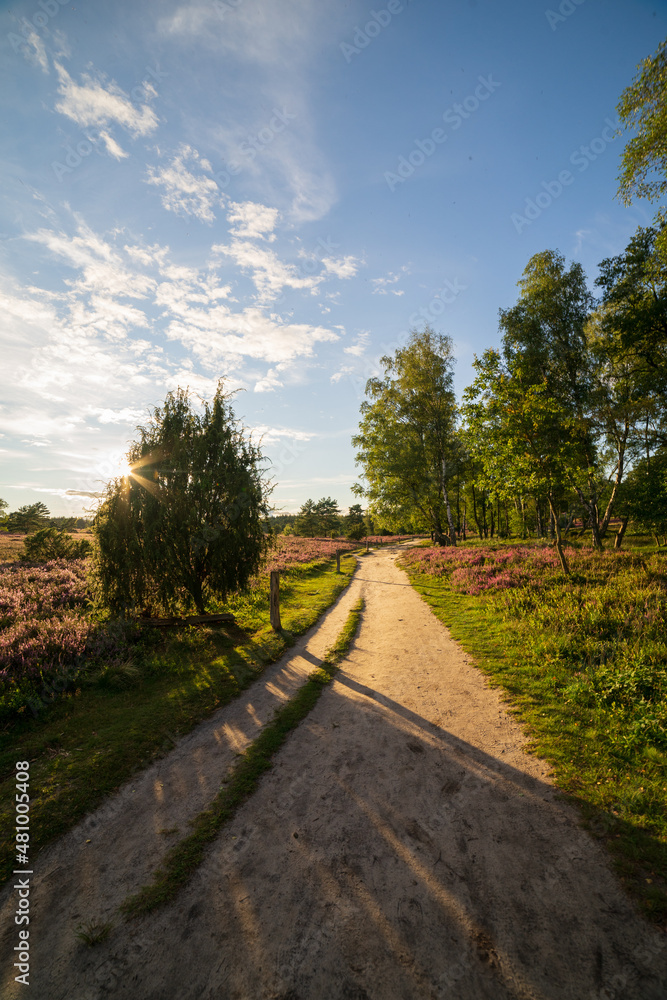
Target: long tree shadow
x=383, y=857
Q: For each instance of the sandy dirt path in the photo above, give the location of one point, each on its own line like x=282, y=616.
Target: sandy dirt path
x=403, y=846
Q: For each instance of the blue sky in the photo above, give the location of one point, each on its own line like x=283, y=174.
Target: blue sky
x=275, y=193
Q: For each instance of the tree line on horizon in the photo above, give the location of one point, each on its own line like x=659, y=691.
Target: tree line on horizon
x=35, y=516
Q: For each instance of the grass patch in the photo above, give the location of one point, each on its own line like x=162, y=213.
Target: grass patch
x=92, y=933
x=583, y=661
x=185, y=857
x=91, y=740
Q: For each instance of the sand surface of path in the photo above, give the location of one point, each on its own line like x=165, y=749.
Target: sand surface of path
x=403, y=846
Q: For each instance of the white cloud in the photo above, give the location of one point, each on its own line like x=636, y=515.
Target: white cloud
x=218, y=334
x=86, y=357
x=101, y=265
x=342, y=267
x=113, y=148
x=269, y=274
x=252, y=221
x=91, y=103
x=268, y=383
x=125, y=415
x=345, y=370
x=35, y=52
x=381, y=285
x=184, y=193
x=273, y=435
x=358, y=349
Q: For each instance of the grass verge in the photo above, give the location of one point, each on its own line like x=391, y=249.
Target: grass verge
x=85, y=745
x=185, y=857
x=583, y=662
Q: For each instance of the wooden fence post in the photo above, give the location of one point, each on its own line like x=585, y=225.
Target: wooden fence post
x=338, y=560
x=274, y=604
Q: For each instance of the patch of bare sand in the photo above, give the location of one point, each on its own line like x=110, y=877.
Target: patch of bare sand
x=403, y=846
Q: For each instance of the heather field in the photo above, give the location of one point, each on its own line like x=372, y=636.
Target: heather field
x=291, y=551
x=585, y=660
x=51, y=636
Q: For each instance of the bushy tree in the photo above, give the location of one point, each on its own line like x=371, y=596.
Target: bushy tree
x=52, y=543
x=64, y=523
x=644, y=494
x=28, y=518
x=407, y=442
x=187, y=523
x=305, y=523
x=354, y=524
x=317, y=519
x=634, y=308
x=327, y=513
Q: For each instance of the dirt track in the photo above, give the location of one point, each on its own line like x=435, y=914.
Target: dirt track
x=403, y=846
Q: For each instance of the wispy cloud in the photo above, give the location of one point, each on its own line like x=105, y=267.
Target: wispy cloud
x=96, y=102
x=272, y=140
x=382, y=286
x=35, y=51
x=184, y=192
x=360, y=346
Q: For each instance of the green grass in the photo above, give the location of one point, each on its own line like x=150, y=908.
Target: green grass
x=84, y=746
x=584, y=663
x=184, y=858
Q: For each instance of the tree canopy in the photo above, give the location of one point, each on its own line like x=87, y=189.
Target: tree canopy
x=407, y=442
x=187, y=523
x=643, y=108
x=28, y=518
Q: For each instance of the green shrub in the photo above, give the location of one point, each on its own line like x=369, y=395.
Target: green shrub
x=51, y=543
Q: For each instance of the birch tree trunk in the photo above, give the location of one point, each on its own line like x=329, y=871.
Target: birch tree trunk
x=559, y=542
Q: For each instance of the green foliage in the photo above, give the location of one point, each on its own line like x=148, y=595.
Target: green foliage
x=633, y=317
x=187, y=524
x=528, y=410
x=643, y=108
x=93, y=932
x=28, y=518
x=317, y=520
x=562, y=408
x=50, y=543
x=71, y=523
x=354, y=523
x=644, y=498
x=306, y=521
x=407, y=442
